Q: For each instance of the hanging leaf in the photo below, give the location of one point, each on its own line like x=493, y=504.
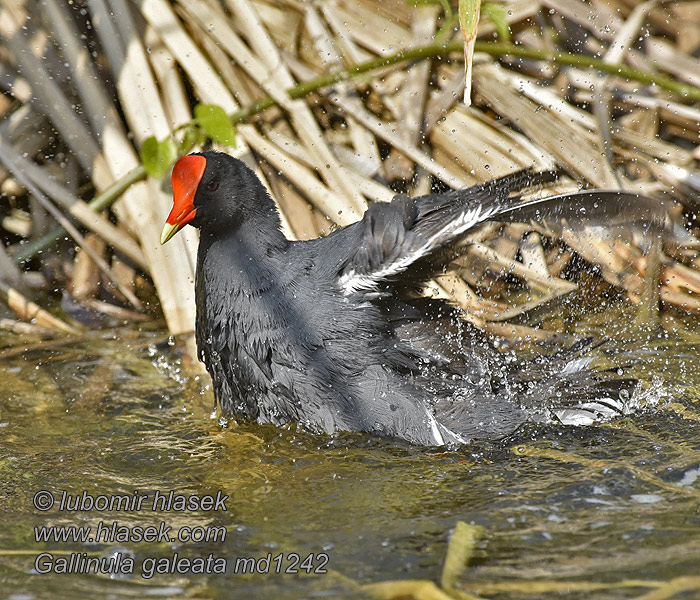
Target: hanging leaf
x=215, y=123
x=158, y=156
x=468, y=21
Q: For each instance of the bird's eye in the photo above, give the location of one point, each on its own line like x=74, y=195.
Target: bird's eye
x=213, y=185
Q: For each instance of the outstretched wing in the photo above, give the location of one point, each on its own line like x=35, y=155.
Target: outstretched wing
x=394, y=236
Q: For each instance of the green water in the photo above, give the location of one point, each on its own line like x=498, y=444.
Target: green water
x=610, y=503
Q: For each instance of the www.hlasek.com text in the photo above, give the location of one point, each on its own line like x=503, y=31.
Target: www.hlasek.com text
x=114, y=532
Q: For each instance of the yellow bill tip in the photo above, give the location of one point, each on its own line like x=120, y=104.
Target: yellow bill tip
x=168, y=232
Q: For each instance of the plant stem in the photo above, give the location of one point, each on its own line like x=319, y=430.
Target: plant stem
x=435, y=50
x=688, y=91
x=28, y=251
x=98, y=203
x=494, y=48
x=103, y=200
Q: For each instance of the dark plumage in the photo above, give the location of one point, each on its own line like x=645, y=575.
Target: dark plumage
x=327, y=332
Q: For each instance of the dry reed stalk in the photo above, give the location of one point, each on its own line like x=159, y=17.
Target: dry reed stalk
x=441, y=102
x=48, y=93
x=388, y=132
x=571, y=144
x=677, y=299
x=507, y=241
x=68, y=226
x=597, y=18
x=352, y=168
x=480, y=254
x=413, y=93
x=336, y=45
x=125, y=274
x=210, y=88
x=24, y=329
x=97, y=106
x=175, y=101
x=643, y=145
x=333, y=52
x=483, y=149
x=274, y=80
x=602, y=97
x=367, y=28
x=144, y=206
x=86, y=274
x=260, y=48
x=303, y=178
x=33, y=313
x=94, y=221
x=458, y=291
x=665, y=56
x=233, y=77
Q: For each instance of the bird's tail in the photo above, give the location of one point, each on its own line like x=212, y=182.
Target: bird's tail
x=570, y=390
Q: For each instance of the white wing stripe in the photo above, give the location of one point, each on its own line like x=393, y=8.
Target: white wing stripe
x=352, y=282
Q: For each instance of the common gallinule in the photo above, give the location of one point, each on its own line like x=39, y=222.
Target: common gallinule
x=330, y=333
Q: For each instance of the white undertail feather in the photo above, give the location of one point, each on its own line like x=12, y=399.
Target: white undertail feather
x=604, y=408
x=435, y=429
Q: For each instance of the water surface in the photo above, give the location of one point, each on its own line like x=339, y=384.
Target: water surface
x=110, y=414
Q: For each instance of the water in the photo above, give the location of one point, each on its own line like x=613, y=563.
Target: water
x=608, y=504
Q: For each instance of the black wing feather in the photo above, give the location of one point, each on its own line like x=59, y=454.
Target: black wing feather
x=395, y=236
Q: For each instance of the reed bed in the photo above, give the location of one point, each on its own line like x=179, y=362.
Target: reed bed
x=336, y=105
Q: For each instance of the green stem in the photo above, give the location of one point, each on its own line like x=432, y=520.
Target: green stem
x=494, y=48
x=435, y=50
x=688, y=91
x=302, y=89
x=98, y=204
x=28, y=251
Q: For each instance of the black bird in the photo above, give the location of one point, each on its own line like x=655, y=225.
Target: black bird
x=330, y=333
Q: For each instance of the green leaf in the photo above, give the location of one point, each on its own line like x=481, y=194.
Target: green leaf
x=158, y=156
x=193, y=137
x=497, y=13
x=215, y=123
x=444, y=3
x=469, y=19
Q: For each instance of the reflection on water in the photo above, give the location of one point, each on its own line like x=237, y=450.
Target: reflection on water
x=608, y=503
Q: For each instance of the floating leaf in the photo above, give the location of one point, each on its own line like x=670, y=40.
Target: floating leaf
x=215, y=123
x=158, y=156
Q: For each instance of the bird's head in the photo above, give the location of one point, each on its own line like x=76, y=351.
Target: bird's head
x=213, y=191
